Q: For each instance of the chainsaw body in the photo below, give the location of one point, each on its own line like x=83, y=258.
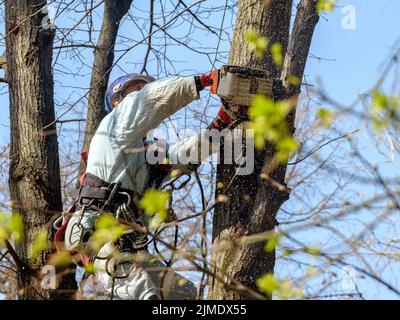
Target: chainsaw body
x=239, y=85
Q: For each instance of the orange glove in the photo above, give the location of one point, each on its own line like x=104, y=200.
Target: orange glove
x=206, y=80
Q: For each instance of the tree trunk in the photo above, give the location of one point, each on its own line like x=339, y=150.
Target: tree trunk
x=253, y=201
x=34, y=177
x=114, y=11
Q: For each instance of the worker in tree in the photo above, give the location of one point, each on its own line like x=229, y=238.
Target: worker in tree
x=117, y=173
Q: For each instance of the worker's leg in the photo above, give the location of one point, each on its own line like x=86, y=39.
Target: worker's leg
x=147, y=279
x=171, y=285
x=122, y=279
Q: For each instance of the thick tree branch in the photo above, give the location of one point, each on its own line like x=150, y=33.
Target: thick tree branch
x=272, y=191
x=245, y=213
x=299, y=45
x=269, y=196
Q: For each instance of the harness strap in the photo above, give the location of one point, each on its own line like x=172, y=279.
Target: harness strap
x=94, y=193
x=97, y=192
x=58, y=238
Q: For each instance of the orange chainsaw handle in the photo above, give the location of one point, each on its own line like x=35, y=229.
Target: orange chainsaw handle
x=215, y=79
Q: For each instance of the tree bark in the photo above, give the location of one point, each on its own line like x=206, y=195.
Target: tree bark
x=300, y=43
x=254, y=201
x=34, y=177
x=114, y=11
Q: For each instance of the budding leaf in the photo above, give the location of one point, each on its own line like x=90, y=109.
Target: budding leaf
x=257, y=43
x=326, y=116
x=267, y=283
x=107, y=229
x=40, y=244
x=155, y=203
x=325, y=5
x=277, y=55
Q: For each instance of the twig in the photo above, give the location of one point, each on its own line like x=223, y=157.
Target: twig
x=3, y=255
x=71, y=120
x=146, y=57
x=321, y=146
x=196, y=18
x=203, y=244
x=22, y=266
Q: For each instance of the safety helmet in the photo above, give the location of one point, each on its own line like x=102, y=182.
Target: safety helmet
x=118, y=86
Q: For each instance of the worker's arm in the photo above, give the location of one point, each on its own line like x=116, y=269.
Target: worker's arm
x=143, y=110
x=190, y=152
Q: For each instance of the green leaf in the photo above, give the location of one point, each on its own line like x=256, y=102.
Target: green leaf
x=271, y=244
x=16, y=227
x=326, y=116
x=380, y=101
x=106, y=222
x=107, y=229
x=277, y=54
x=285, y=147
x=90, y=269
x=257, y=43
x=379, y=124
x=155, y=203
x=3, y=236
x=385, y=110
x=272, y=241
x=314, y=251
x=294, y=81
x=267, y=283
x=11, y=228
x=40, y=244
x=325, y=5
x=282, y=288
x=286, y=252
x=310, y=271
x=61, y=259
x=268, y=120
x=251, y=36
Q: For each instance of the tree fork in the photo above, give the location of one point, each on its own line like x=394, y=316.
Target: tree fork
x=254, y=200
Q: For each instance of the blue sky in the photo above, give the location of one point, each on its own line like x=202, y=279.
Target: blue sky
x=351, y=61
x=359, y=53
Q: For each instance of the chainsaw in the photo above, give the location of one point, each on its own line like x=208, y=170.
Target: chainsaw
x=237, y=86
